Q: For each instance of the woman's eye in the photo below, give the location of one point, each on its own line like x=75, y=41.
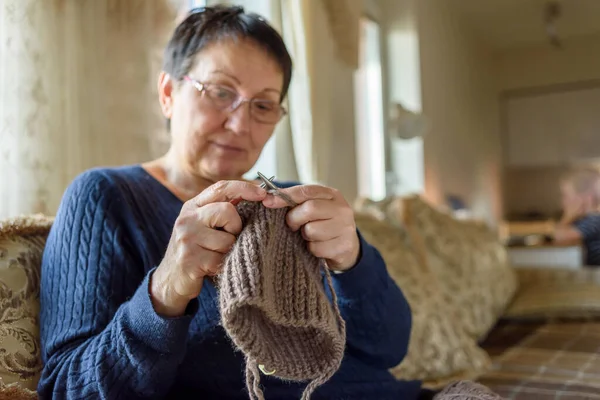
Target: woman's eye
x=223, y=94
x=264, y=106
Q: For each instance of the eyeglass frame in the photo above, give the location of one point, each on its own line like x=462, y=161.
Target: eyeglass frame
x=201, y=88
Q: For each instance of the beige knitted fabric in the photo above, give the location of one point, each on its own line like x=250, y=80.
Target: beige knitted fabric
x=274, y=306
x=467, y=390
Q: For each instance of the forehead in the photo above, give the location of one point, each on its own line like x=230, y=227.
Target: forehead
x=251, y=65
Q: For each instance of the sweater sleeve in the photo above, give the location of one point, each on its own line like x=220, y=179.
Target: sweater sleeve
x=100, y=336
x=378, y=317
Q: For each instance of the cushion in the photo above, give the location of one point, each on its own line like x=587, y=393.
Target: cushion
x=469, y=261
x=389, y=209
x=439, y=350
x=533, y=276
x=21, y=246
x=556, y=300
x=466, y=390
x=14, y=391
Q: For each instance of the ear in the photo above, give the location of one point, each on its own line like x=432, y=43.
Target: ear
x=165, y=93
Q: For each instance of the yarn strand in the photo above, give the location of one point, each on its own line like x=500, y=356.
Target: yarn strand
x=253, y=380
x=336, y=308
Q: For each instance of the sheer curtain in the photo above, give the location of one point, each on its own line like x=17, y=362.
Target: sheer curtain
x=295, y=24
x=311, y=29
x=77, y=90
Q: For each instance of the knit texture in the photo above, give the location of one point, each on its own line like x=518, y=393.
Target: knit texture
x=274, y=306
x=102, y=339
x=466, y=390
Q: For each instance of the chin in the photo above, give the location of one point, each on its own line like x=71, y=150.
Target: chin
x=224, y=170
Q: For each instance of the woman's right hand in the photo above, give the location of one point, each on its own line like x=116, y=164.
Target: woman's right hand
x=204, y=232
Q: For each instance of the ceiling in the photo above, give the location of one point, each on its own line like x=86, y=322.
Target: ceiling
x=513, y=23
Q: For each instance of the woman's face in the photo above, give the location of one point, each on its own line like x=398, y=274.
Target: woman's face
x=214, y=143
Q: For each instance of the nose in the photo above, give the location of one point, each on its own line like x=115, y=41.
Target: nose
x=238, y=120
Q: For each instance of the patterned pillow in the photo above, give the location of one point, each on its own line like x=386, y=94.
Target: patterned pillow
x=14, y=391
x=21, y=245
x=469, y=261
x=439, y=350
x=389, y=209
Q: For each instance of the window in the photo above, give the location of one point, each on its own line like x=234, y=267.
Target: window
x=197, y=3
x=370, y=138
x=406, y=155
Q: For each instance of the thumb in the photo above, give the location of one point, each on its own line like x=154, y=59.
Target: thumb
x=228, y=191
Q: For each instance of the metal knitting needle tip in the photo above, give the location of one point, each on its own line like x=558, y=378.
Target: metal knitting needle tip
x=265, y=181
x=274, y=190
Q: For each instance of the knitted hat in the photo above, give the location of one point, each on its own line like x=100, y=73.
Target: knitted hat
x=273, y=303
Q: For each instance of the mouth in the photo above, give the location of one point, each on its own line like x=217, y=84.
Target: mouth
x=227, y=147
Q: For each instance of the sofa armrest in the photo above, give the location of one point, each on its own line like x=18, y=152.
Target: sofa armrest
x=556, y=294
x=531, y=276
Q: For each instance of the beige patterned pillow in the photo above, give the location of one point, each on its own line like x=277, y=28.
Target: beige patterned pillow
x=389, y=209
x=21, y=245
x=439, y=350
x=14, y=391
x=469, y=261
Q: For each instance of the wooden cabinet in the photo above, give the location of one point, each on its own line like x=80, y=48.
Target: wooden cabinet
x=552, y=128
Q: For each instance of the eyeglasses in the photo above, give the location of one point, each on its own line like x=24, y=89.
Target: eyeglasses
x=224, y=99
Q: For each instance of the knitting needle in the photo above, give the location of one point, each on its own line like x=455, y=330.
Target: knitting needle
x=236, y=201
x=274, y=190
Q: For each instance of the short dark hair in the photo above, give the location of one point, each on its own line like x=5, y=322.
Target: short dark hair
x=206, y=25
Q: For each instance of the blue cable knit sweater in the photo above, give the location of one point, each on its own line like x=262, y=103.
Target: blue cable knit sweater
x=102, y=339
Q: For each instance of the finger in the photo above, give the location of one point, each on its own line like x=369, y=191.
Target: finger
x=228, y=191
x=208, y=263
x=312, y=210
x=302, y=193
x=214, y=240
x=221, y=215
x=329, y=249
x=320, y=231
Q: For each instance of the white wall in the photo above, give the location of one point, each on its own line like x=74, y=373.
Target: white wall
x=459, y=97
x=529, y=189
x=542, y=65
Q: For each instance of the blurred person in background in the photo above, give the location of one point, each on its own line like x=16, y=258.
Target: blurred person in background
x=580, y=198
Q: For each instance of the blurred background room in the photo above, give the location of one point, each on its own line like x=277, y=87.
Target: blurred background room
x=453, y=120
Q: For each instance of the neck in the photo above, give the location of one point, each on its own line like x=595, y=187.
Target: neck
x=182, y=181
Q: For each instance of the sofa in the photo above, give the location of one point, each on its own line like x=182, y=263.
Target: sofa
x=526, y=333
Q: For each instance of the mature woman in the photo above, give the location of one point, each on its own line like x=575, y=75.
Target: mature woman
x=127, y=311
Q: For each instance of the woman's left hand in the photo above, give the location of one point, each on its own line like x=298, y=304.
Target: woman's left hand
x=326, y=221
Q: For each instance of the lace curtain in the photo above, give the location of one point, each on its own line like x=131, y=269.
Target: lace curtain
x=77, y=90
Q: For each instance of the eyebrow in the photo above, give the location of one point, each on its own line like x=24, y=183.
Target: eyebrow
x=220, y=71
